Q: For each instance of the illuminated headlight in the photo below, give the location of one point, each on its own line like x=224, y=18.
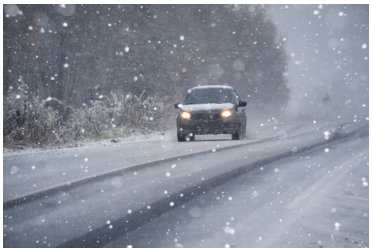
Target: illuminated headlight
x=226, y=113
x=185, y=115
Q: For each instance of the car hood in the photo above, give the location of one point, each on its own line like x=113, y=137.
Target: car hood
x=207, y=107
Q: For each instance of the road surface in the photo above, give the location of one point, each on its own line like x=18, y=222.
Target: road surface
x=302, y=185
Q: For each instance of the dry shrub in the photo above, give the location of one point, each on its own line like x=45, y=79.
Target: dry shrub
x=129, y=111
x=31, y=121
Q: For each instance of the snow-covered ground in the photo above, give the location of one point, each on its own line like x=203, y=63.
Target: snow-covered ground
x=89, y=212
x=29, y=170
x=255, y=130
x=136, y=137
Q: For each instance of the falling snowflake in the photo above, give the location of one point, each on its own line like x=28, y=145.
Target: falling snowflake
x=13, y=170
x=229, y=230
x=337, y=226
x=326, y=135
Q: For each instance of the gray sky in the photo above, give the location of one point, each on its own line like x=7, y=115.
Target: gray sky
x=328, y=47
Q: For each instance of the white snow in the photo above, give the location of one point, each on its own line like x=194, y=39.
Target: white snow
x=135, y=137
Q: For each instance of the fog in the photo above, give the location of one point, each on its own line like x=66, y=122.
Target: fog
x=289, y=62
x=328, y=50
x=95, y=153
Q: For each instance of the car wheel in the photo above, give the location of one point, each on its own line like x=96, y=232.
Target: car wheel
x=236, y=135
x=180, y=138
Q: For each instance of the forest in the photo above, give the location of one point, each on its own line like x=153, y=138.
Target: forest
x=75, y=71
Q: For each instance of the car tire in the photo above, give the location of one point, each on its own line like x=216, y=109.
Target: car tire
x=192, y=138
x=236, y=135
x=180, y=138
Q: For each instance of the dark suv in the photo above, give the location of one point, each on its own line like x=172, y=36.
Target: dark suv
x=211, y=110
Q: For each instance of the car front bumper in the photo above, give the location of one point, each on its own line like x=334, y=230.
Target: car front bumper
x=204, y=127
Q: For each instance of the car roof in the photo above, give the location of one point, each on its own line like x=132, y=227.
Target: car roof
x=212, y=86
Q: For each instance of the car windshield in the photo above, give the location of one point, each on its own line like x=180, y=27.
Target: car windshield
x=214, y=95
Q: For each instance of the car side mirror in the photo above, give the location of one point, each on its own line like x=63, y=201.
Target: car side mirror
x=242, y=104
x=178, y=105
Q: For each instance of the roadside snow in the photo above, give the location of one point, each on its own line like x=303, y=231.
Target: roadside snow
x=167, y=135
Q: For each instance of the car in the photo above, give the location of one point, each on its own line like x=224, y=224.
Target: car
x=211, y=110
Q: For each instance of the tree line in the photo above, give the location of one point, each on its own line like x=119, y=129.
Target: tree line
x=77, y=53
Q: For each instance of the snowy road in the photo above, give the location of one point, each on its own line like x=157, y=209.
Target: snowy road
x=117, y=210
x=36, y=171
x=315, y=199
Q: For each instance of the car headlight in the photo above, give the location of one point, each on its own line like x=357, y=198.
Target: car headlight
x=226, y=113
x=185, y=115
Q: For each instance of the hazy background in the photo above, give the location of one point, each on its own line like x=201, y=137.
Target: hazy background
x=298, y=62
x=328, y=47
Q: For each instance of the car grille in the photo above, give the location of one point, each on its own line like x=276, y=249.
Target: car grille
x=206, y=117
